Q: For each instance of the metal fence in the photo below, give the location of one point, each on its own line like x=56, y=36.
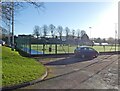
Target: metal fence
x=41, y=46
x=35, y=46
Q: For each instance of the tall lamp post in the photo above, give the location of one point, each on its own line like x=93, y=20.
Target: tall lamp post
x=115, y=35
x=90, y=32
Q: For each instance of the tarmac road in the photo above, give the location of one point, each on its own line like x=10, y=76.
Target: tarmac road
x=76, y=73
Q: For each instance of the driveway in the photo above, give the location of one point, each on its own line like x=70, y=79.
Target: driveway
x=76, y=73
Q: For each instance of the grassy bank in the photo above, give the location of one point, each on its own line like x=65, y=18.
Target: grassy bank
x=0, y=67
x=17, y=69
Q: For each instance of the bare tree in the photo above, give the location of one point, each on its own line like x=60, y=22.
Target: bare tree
x=111, y=40
x=40, y=31
x=9, y=9
x=52, y=29
x=60, y=30
x=36, y=31
x=45, y=30
x=82, y=32
x=78, y=33
x=73, y=33
x=67, y=30
x=98, y=40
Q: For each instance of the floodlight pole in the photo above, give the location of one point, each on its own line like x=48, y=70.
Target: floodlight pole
x=115, y=35
x=92, y=39
x=90, y=31
x=115, y=41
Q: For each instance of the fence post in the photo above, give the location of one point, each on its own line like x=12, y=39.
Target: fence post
x=104, y=47
x=43, y=48
x=68, y=48
x=115, y=45
x=29, y=45
x=55, y=48
x=37, y=45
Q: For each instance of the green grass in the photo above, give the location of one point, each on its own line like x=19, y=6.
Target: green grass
x=17, y=69
x=107, y=48
x=63, y=49
x=0, y=66
x=0, y=71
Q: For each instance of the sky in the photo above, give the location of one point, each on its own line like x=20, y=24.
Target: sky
x=100, y=16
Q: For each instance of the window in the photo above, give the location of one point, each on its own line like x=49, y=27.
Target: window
x=91, y=49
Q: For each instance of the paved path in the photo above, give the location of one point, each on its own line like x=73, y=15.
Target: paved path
x=76, y=73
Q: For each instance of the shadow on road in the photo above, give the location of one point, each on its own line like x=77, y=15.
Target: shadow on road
x=67, y=61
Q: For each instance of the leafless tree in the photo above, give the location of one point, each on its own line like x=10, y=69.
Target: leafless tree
x=78, y=33
x=45, y=30
x=82, y=32
x=52, y=29
x=67, y=30
x=36, y=31
x=111, y=40
x=8, y=7
x=60, y=30
x=9, y=10
x=73, y=33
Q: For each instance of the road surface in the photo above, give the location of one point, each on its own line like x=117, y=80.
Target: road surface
x=76, y=73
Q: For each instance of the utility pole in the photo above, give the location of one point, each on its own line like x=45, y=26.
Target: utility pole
x=12, y=25
x=9, y=33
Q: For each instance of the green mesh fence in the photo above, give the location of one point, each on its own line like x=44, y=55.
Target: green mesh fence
x=42, y=45
x=23, y=43
x=33, y=45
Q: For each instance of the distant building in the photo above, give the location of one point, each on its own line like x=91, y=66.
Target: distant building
x=96, y=43
x=85, y=40
x=104, y=44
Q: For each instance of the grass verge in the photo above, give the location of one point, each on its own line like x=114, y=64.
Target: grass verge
x=17, y=69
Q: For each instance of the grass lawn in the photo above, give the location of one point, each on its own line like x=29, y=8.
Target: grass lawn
x=17, y=69
x=70, y=49
x=107, y=48
x=0, y=68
